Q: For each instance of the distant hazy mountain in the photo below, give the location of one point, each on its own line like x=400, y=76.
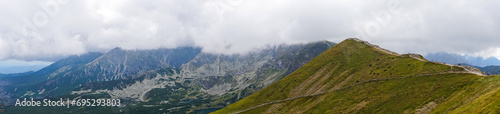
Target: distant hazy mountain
x=20, y=69
x=16, y=74
x=19, y=66
x=491, y=70
x=451, y=58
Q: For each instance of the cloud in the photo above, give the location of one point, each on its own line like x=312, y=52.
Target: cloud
x=464, y=27
x=237, y=26
x=5, y=49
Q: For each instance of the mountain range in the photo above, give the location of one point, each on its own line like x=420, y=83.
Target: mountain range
x=353, y=76
x=179, y=80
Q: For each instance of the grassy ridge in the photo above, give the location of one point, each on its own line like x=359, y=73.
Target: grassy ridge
x=391, y=96
x=418, y=86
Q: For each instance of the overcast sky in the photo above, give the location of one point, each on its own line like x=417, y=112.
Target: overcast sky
x=54, y=28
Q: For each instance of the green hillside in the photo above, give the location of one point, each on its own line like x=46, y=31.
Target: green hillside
x=357, y=77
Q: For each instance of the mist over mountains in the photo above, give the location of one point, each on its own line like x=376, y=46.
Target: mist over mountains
x=452, y=58
x=17, y=66
x=238, y=26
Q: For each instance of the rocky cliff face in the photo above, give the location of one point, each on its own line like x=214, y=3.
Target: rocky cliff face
x=118, y=63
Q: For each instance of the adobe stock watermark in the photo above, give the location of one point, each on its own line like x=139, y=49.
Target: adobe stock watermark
x=222, y=6
x=382, y=19
x=48, y=9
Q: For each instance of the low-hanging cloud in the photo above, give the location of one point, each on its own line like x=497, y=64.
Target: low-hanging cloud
x=236, y=26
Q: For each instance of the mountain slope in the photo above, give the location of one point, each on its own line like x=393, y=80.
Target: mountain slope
x=357, y=77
